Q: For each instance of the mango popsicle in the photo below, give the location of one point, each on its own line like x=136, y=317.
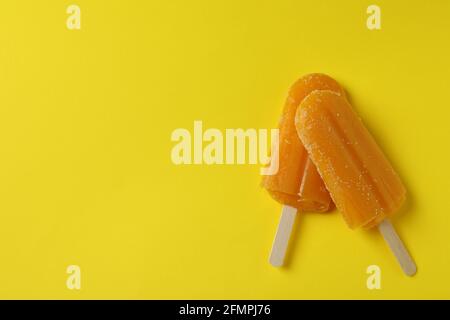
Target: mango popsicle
x=360, y=179
x=297, y=184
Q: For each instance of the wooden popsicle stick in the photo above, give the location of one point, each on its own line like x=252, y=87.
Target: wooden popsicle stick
x=282, y=236
x=397, y=247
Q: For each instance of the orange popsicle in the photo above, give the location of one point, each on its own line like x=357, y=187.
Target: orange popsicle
x=360, y=179
x=296, y=185
x=297, y=182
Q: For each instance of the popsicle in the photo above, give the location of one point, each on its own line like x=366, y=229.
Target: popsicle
x=357, y=174
x=296, y=185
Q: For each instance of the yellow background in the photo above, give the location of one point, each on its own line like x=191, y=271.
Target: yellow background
x=85, y=121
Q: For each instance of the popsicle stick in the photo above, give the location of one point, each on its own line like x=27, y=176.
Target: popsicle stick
x=282, y=236
x=397, y=247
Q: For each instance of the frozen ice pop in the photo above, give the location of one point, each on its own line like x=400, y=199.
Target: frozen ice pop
x=360, y=179
x=297, y=184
